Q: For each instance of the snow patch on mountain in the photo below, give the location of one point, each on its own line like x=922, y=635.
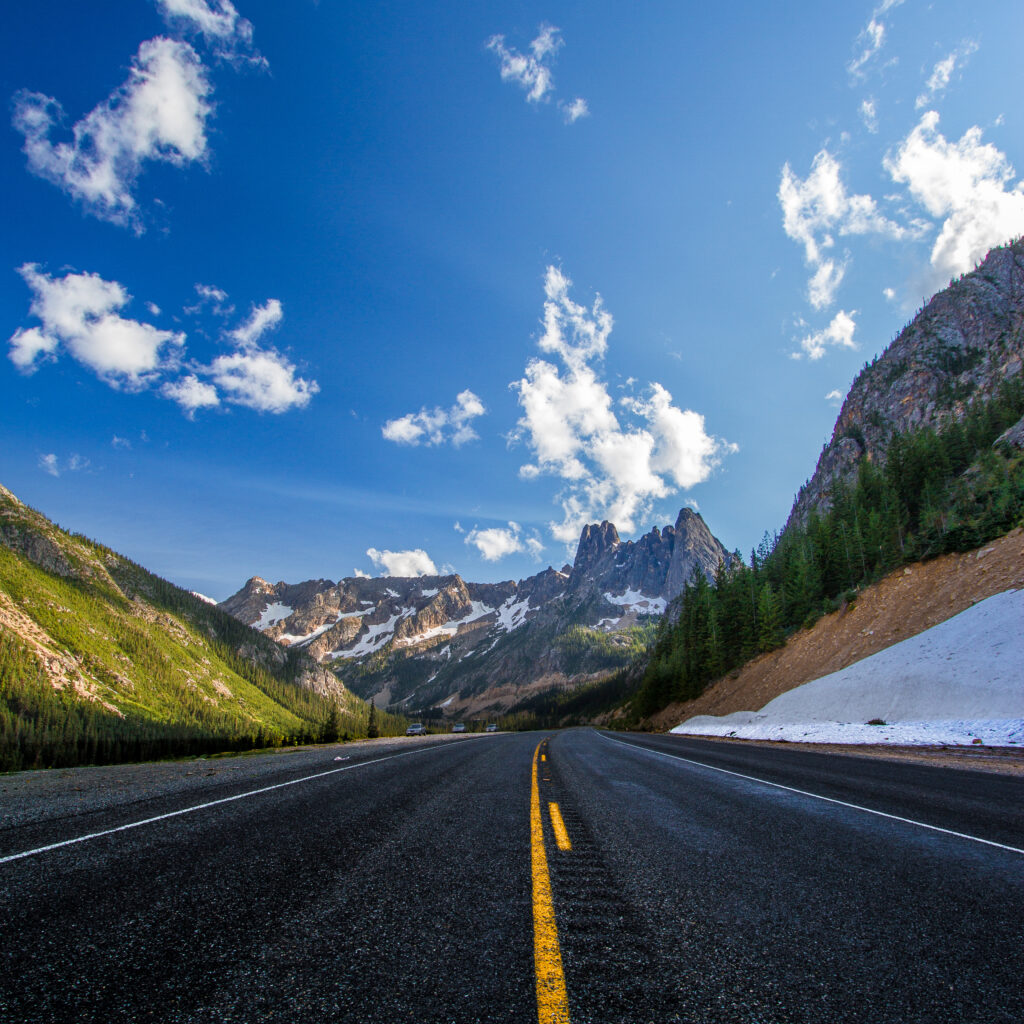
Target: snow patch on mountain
x=641, y=604
x=960, y=681
x=512, y=614
x=272, y=615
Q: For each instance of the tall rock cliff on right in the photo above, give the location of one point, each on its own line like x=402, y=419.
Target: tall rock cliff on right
x=960, y=347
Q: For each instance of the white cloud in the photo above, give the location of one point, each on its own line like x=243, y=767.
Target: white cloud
x=942, y=73
x=218, y=22
x=437, y=425
x=611, y=470
x=871, y=39
x=217, y=299
x=51, y=464
x=262, y=319
x=889, y=293
x=263, y=380
x=497, y=542
x=120, y=442
x=816, y=208
x=80, y=313
x=403, y=563
x=838, y=334
x=360, y=575
x=191, y=394
x=835, y=397
x=529, y=71
x=572, y=112
x=869, y=114
x=968, y=184
x=159, y=114
x=532, y=71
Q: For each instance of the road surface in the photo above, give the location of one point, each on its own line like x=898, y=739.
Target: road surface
x=426, y=882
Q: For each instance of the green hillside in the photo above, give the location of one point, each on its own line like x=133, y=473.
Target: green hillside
x=102, y=661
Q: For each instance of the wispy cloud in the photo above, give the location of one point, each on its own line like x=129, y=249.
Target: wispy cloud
x=818, y=207
x=870, y=40
x=218, y=22
x=532, y=71
x=158, y=115
x=611, y=469
x=436, y=426
x=869, y=114
x=52, y=465
x=942, y=73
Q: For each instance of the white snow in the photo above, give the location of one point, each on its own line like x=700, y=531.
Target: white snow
x=477, y=611
x=634, y=601
x=512, y=614
x=393, y=593
x=376, y=637
x=430, y=593
x=202, y=597
x=445, y=703
x=273, y=614
x=608, y=624
x=956, y=682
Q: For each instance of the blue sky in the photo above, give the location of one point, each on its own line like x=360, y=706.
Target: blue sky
x=306, y=289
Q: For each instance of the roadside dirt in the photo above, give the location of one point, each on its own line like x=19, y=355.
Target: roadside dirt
x=903, y=604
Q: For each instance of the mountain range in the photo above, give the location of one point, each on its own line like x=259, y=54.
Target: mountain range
x=470, y=649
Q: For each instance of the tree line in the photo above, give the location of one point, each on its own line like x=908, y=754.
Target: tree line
x=936, y=491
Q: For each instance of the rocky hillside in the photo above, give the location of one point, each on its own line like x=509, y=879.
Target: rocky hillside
x=959, y=348
x=111, y=656
x=472, y=648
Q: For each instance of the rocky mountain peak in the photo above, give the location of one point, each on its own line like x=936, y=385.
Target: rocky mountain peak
x=595, y=541
x=959, y=347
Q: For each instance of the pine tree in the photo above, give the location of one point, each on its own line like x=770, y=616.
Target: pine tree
x=372, y=728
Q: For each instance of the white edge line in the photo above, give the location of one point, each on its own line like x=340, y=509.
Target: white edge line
x=211, y=803
x=816, y=796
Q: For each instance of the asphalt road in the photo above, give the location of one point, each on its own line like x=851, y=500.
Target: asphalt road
x=402, y=884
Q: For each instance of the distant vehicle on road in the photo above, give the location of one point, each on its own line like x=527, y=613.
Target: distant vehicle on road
x=492, y=727
x=459, y=727
x=416, y=729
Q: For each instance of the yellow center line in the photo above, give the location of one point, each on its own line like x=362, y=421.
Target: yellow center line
x=552, y=999
x=561, y=833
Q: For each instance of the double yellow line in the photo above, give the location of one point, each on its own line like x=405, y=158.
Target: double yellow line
x=552, y=1000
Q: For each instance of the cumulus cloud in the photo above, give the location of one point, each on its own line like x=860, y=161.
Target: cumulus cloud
x=403, y=563
x=228, y=34
x=497, y=542
x=159, y=115
x=48, y=464
x=532, y=71
x=816, y=208
x=838, y=334
x=942, y=73
x=191, y=394
x=968, y=185
x=834, y=397
x=612, y=469
x=263, y=380
x=436, y=426
x=80, y=313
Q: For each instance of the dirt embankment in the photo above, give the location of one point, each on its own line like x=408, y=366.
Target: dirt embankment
x=905, y=603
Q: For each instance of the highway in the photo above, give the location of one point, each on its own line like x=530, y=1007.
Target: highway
x=565, y=876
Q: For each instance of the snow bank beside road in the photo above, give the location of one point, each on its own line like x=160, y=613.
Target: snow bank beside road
x=956, y=682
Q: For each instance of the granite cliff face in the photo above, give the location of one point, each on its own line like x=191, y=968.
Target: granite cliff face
x=438, y=640
x=960, y=347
